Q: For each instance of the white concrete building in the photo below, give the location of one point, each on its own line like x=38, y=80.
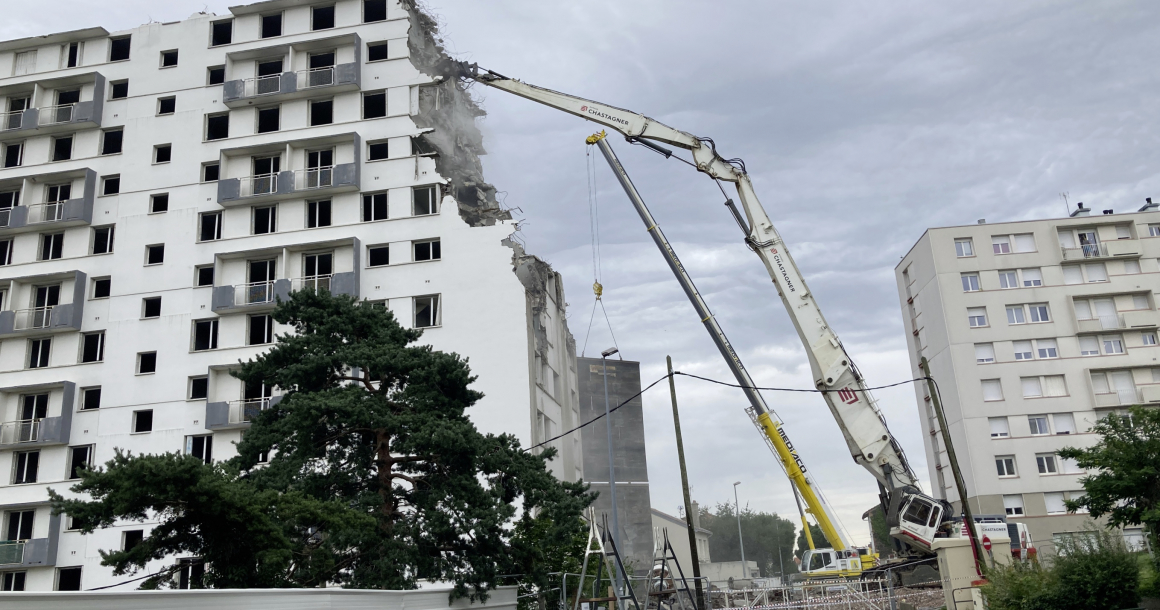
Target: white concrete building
x=1033, y=330
x=162, y=185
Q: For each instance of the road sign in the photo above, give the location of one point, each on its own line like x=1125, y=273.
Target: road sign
x=986, y=543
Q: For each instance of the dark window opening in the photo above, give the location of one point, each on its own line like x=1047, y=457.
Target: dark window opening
x=163, y=153
x=374, y=10
x=159, y=203
x=205, y=335
x=113, y=142
x=111, y=185
x=377, y=51
x=322, y=18
x=268, y=119
x=101, y=288
x=79, y=460
x=119, y=48
x=321, y=113
x=205, y=276
x=102, y=240
x=200, y=447
x=210, y=172
x=222, y=32
x=261, y=330
x=317, y=214
x=265, y=220
x=13, y=581
x=147, y=363
x=374, y=207
x=62, y=148
x=73, y=55
x=423, y=200
x=51, y=246
x=217, y=126
x=155, y=255
x=271, y=25
x=211, y=227
x=69, y=579
x=198, y=388
x=151, y=307
x=168, y=59
x=426, y=311
x=428, y=251
x=132, y=539
x=93, y=348
x=13, y=155
x=190, y=574
x=90, y=399
x=377, y=151
x=215, y=75
x=374, y=105
x=119, y=90
x=27, y=467
x=167, y=105
x=378, y=256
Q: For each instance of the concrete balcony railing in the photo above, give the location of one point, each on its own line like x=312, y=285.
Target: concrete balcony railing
x=292, y=85
x=1119, y=321
x=289, y=184
x=73, y=212
x=335, y=283
x=1150, y=393
x=1107, y=249
x=45, y=431
x=236, y=414
x=1118, y=398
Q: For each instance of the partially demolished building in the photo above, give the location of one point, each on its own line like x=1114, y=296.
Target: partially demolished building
x=162, y=186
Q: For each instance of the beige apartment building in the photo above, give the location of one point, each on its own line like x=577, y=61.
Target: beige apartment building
x=1034, y=330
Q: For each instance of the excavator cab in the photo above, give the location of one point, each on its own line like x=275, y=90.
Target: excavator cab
x=920, y=521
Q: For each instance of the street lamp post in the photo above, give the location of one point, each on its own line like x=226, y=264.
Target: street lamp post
x=611, y=464
x=740, y=540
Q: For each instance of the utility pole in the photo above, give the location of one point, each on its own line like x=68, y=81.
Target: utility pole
x=685, y=488
x=611, y=463
x=740, y=540
x=968, y=518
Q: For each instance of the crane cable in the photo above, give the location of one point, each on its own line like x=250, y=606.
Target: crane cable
x=594, y=230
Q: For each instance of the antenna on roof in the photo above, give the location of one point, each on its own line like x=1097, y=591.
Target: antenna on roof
x=1066, y=205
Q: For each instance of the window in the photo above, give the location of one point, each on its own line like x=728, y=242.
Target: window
x=62, y=148
x=1038, y=425
x=1001, y=244
x=51, y=246
x=999, y=427
x=13, y=581
x=378, y=256
x=169, y=58
x=1112, y=344
x=159, y=203
x=210, y=172
x=101, y=287
x=90, y=398
x=977, y=316
x=1013, y=505
x=221, y=32
x=271, y=25
x=377, y=151
x=1032, y=277
x=217, y=126
x=119, y=89
x=210, y=226
x=146, y=363
x=1054, y=502
x=119, y=48
x=1043, y=386
x=1148, y=338
x=427, y=250
x=265, y=220
x=155, y=254
x=1089, y=346
x=427, y=311
x=378, y=51
x=424, y=200
x=1154, y=230
x=269, y=119
x=93, y=346
x=322, y=17
x=1006, y=244
x=321, y=112
x=1008, y=279
x=143, y=421
x=374, y=207
x=70, y=54
x=421, y=147
x=970, y=282
x=162, y=153
x=375, y=104
x=79, y=458
x=964, y=247
x=1046, y=348
x=261, y=330
x=1046, y=463
x=198, y=387
x=102, y=240
x=317, y=214
x=205, y=335
x=374, y=10
x=25, y=63
x=1021, y=314
x=131, y=538
x=1005, y=464
x=1064, y=423
x=200, y=447
x=992, y=390
x=111, y=185
x=69, y=579
x=984, y=353
x=1140, y=301
x=190, y=573
x=203, y=276
x=27, y=463
x=151, y=307
x=215, y=75
x=166, y=105
x=13, y=154
x=1023, y=350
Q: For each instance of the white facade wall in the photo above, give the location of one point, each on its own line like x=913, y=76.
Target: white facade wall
x=1044, y=387
x=487, y=312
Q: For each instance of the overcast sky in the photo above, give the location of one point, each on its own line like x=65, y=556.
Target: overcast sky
x=862, y=124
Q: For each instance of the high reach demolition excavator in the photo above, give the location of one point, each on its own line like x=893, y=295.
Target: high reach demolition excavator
x=914, y=517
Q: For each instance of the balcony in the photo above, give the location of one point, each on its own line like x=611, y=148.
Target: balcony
x=36, y=552
x=72, y=212
x=65, y=317
x=43, y=432
x=62, y=117
x=1119, y=321
x=1107, y=249
x=236, y=414
x=295, y=84
x=1118, y=398
x=290, y=184
x=255, y=296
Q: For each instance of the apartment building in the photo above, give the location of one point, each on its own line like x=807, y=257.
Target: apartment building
x=161, y=187
x=1033, y=330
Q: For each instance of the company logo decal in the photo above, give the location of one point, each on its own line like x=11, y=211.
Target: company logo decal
x=848, y=396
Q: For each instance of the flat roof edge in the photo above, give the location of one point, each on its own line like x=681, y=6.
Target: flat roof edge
x=70, y=36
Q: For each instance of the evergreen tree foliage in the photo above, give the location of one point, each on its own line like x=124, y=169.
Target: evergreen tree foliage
x=376, y=478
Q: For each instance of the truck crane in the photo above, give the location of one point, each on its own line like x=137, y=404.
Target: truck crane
x=914, y=517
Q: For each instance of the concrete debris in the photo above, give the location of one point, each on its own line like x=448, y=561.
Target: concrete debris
x=448, y=108
x=534, y=274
